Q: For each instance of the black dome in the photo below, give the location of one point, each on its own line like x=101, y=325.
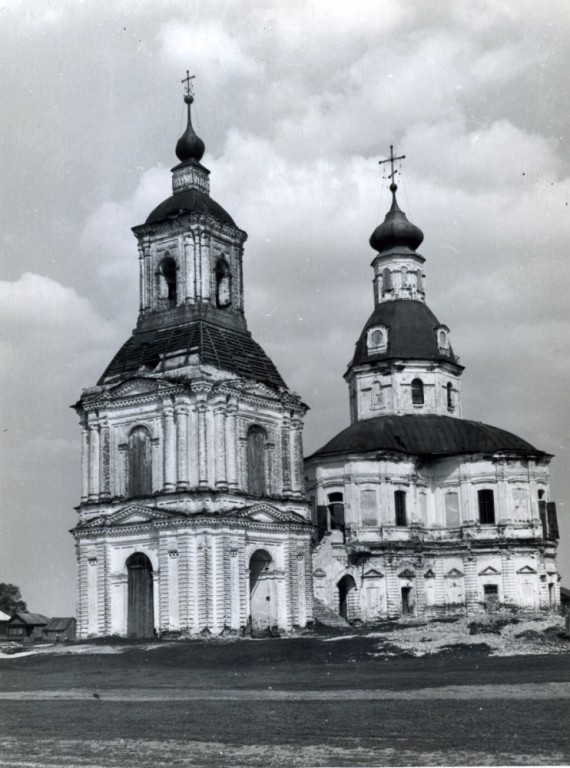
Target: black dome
x=190, y=201
x=428, y=435
x=411, y=333
x=396, y=232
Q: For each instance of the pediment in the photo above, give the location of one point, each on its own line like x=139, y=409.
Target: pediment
x=407, y=573
x=489, y=571
x=138, y=385
x=373, y=574
x=526, y=569
x=454, y=573
x=429, y=574
x=267, y=513
x=133, y=513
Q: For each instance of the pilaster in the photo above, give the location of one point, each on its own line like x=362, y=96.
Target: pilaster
x=181, y=415
x=93, y=460
x=169, y=458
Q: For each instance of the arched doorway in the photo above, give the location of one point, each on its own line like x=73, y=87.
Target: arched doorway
x=347, y=598
x=140, y=615
x=261, y=595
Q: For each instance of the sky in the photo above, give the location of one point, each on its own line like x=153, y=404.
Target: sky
x=296, y=102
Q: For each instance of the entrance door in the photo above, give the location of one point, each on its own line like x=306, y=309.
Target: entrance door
x=260, y=591
x=346, y=598
x=407, y=606
x=140, y=617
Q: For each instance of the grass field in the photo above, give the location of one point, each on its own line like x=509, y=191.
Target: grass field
x=306, y=701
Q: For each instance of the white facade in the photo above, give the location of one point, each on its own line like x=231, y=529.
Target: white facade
x=193, y=516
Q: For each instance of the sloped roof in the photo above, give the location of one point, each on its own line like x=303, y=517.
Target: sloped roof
x=411, y=333
x=4, y=616
x=224, y=348
x=59, y=624
x=189, y=201
x=30, y=618
x=424, y=435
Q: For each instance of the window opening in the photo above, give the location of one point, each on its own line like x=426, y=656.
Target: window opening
x=417, y=392
x=386, y=279
x=140, y=463
x=256, y=438
x=223, y=284
x=486, y=501
x=168, y=272
x=400, y=505
x=449, y=396
x=336, y=511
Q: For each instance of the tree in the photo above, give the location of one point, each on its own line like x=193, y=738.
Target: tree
x=11, y=599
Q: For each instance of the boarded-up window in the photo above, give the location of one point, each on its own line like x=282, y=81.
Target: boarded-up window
x=486, y=501
x=256, y=461
x=417, y=392
x=452, y=510
x=400, y=505
x=423, y=507
x=368, y=507
x=140, y=463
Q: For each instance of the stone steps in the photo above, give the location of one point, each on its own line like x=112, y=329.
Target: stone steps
x=325, y=615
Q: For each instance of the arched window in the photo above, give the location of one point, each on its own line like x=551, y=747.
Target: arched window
x=140, y=463
x=486, y=499
x=417, y=392
x=400, y=506
x=386, y=280
x=336, y=511
x=449, y=396
x=223, y=284
x=167, y=269
x=256, y=438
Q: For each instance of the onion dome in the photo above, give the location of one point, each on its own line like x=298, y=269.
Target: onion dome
x=396, y=232
x=189, y=147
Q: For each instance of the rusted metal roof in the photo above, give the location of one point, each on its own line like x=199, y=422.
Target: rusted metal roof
x=411, y=334
x=189, y=201
x=428, y=435
x=224, y=348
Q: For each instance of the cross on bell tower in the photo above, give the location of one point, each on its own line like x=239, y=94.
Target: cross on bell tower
x=189, y=85
x=392, y=160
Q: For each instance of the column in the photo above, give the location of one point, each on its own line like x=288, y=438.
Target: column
x=205, y=264
x=141, y=279
x=122, y=470
x=189, y=258
x=181, y=412
x=105, y=459
x=286, y=455
x=93, y=461
x=393, y=595
x=301, y=613
x=220, y=444
x=202, y=445
x=84, y=461
x=297, y=468
x=149, y=279
x=234, y=587
x=231, y=446
x=173, y=587
x=169, y=457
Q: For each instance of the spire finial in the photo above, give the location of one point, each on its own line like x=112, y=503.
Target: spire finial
x=189, y=87
x=190, y=146
x=392, y=174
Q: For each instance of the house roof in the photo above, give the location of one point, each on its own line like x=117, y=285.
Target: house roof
x=427, y=435
x=4, y=616
x=225, y=348
x=29, y=618
x=59, y=624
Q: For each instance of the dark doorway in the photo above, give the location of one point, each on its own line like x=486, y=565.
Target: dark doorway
x=407, y=604
x=346, y=598
x=260, y=591
x=140, y=617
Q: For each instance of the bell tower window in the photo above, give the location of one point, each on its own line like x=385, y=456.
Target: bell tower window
x=256, y=439
x=167, y=271
x=223, y=284
x=417, y=392
x=140, y=463
x=449, y=396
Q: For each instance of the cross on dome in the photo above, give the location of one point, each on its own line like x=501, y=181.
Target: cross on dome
x=392, y=160
x=189, y=84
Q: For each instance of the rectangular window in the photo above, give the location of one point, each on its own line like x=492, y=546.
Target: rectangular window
x=491, y=594
x=486, y=501
x=368, y=507
x=400, y=505
x=452, y=510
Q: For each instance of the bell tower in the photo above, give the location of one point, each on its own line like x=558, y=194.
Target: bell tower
x=192, y=459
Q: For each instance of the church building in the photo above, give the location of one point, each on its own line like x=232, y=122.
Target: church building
x=193, y=516
x=417, y=510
